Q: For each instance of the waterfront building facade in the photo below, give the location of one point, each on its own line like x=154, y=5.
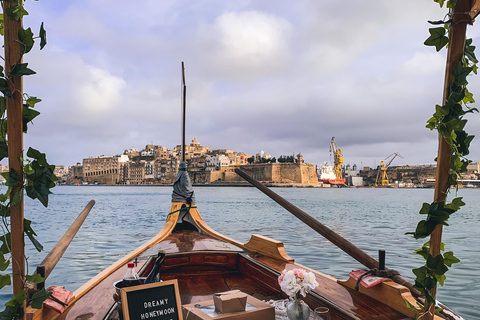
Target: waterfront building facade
x=103, y=169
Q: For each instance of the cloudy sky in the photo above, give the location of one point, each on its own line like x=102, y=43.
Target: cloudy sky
x=274, y=75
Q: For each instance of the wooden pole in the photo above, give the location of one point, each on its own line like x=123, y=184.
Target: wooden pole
x=57, y=251
x=454, y=54
x=13, y=55
x=355, y=252
x=184, y=110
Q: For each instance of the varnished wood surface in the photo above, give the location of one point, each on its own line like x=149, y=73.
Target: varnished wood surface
x=187, y=241
x=351, y=301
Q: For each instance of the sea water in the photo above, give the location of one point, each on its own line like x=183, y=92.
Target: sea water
x=125, y=217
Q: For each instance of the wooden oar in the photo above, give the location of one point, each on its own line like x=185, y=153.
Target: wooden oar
x=355, y=252
x=57, y=251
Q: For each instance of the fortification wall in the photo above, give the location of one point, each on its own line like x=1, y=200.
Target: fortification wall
x=265, y=172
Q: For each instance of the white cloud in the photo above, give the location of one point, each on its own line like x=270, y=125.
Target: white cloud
x=424, y=64
x=96, y=94
x=246, y=45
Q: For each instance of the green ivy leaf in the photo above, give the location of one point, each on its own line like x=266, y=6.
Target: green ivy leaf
x=43, y=37
x=450, y=259
x=32, y=101
x=470, y=51
x=423, y=230
x=451, y=4
x=468, y=97
x=26, y=38
x=437, y=264
x=3, y=150
x=4, y=88
x=437, y=38
x=28, y=115
x=440, y=279
x=16, y=11
x=31, y=234
x=20, y=70
x=4, y=263
x=421, y=273
x=425, y=208
x=5, y=280
x=15, y=305
x=36, y=278
x=11, y=178
x=456, y=204
x=432, y=123
x=37, y=155
x=17, y=198
x=440, y=111
x=28, y=170
x=460, y=74
x=6, y=241
x=39, y=297
x=424, y=251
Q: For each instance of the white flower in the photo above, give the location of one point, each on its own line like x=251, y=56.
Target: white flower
x=289, y=284
x=309, y=281
x=297, y=281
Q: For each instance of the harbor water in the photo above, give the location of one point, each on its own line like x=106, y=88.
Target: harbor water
x=373, y=219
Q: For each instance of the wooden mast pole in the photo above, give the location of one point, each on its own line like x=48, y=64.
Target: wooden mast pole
x=13, y=56
x=184, y=109
x=454, y=54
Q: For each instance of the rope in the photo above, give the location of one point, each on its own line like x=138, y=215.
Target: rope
x=181, y=209
x=390, y=273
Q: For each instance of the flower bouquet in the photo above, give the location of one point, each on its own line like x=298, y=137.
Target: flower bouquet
x=296, y=283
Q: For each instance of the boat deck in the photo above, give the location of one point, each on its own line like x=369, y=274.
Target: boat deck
x=203, y=266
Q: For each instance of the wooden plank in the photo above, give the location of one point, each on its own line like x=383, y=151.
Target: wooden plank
x=269, y=247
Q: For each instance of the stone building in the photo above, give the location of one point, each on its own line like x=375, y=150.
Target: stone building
x=136, y=172
x=75, y=174
x=216, y=162
x=197, y=163
x=61, y=173
x=103, y=169
x=165, y=170
x=132, y=153
x=191, y=151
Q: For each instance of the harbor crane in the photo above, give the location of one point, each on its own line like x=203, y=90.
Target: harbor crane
x=337, y=159
x=382, y=179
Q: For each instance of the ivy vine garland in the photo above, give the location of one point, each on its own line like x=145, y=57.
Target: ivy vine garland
x=449, y=122
x=38, y=173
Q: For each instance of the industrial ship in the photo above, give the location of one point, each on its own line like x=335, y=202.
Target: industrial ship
x=332, y=174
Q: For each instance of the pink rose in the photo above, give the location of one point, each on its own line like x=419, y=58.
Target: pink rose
x=280, y=278
x=298, y=273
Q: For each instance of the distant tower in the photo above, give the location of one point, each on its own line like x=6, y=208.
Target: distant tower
x=300, y=158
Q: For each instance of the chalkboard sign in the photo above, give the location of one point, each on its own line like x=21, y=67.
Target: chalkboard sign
x=159, y=300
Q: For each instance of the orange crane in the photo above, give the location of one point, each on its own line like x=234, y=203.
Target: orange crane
x=382, y=179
